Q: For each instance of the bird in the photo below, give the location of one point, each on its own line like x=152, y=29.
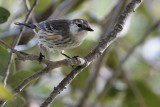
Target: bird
x=59, y=34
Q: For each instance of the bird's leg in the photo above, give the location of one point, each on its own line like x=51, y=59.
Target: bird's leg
x=76, y=57
x=41, y=56
x=62, y=52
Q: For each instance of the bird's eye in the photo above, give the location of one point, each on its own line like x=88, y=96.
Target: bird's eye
x=79, y=25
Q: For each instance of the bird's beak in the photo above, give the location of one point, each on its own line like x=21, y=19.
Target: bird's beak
x=89, y=29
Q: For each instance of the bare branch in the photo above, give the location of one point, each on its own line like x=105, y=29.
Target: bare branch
x=95, y=53
x=33, y=77
x=50, y=64
x=7, y=71
x=134, y=88
x=91, y=82
x=130, y=82
x=62, y=85
x=28, y=8
x=107, y=25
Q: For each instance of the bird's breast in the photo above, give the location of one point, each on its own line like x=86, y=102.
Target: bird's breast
x=59, y=42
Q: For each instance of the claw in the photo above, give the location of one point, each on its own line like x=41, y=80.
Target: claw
x=41, y=56
x=75, y=57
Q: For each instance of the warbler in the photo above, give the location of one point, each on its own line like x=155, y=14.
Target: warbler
x=59, y=34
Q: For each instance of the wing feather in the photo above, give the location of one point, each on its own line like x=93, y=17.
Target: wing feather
x=59, y=27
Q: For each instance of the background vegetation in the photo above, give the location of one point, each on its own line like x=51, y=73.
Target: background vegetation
x=126, y=75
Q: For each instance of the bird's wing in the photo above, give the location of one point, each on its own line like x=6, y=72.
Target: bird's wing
x=54, y=26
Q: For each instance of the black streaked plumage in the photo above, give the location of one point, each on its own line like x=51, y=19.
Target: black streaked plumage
x=59, y=34
x=55, y=26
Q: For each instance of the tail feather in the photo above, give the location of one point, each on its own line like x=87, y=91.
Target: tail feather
x=27, y=25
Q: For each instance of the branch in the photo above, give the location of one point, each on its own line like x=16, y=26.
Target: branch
x=58, y=13
x=107, y=24
x=91, y=82
x=95, y=53
x=131, y=83
x=5, y=77
x=7, y=70
x=116, y=74
x=50, y=64
x=66, y=62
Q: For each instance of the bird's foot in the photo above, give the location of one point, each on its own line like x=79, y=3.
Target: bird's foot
x=76, y=58
x=41, y=57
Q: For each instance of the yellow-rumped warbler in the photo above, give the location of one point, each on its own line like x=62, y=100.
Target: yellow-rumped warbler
x=59, y=34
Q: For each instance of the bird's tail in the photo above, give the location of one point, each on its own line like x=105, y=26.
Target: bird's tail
x=27, y=25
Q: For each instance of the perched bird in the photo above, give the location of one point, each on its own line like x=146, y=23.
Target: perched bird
x=59, y=34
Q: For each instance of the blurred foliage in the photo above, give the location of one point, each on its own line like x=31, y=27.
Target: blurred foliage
x=150, y=98
x=4, y=14
x=17, y=102
x=42, y=4
x=4, y=55
x=142, y=67
x=4, y=93
x=18, y=77
x=82, y=77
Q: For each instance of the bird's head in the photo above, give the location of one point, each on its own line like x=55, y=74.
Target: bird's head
x=78, y=26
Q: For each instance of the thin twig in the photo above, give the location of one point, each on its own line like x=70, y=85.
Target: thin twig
x=56, y=64
x=44, y=71
x=95, y=53
x=130, y=82
x=134, y=88
x=58, y=13
x=91, y=81
x=14, y=33
x=7, y=70
x=50, y=64
x=28, y=8
x=33, y=77
x=62, y=85
x=24, y=56
x=107, y=25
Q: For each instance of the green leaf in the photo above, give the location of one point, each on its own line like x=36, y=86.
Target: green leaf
x=18, y=101
x=4, y=55
x=130, y=100
x=4, y=14
x=42, y=5
x=80, y=81
x=4, y=93
x=112, y=59
x=151, y=99
x=57, y=104
x=18, y=77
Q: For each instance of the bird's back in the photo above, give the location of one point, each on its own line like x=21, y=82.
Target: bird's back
x=55, y=26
